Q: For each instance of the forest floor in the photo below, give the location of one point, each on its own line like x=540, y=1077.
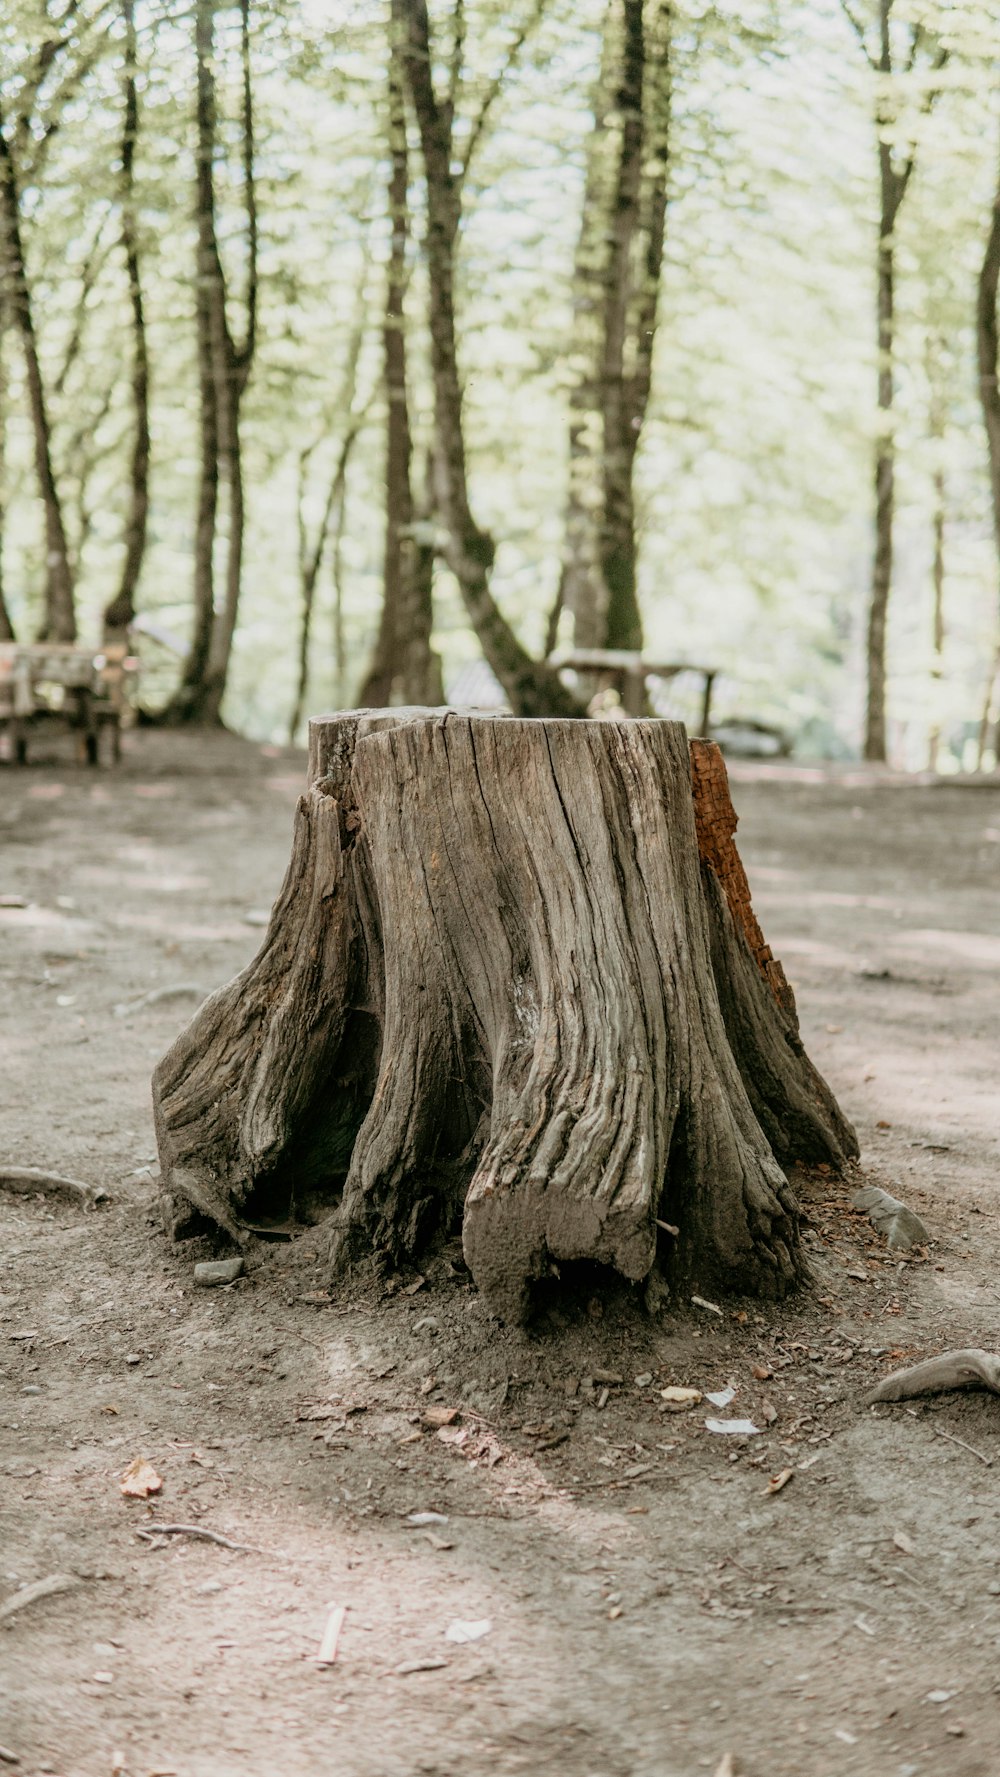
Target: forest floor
x=649, y=1606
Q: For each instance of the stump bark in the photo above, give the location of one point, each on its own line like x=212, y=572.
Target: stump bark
x=513, y=981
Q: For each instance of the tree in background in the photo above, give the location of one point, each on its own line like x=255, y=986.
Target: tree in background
x=618, y=272
x=224, y=366
x=988, y=361
x=900, y=59
x=120, y=612
x=404, y=667
x=532, y=687
x=23, y=138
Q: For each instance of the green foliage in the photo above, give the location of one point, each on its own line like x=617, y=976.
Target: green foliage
x=754, y=470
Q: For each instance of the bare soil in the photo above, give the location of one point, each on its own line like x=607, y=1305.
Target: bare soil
x=651, y=1605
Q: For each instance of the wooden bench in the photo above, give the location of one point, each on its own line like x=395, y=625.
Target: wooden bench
x=625, y=671
x=58, y=684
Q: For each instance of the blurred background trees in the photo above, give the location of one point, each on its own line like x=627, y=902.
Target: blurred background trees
x=376, y=350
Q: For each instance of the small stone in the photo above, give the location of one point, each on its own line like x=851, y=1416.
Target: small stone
x=209, y=1588
x=644, y=1380
x=213, y=1272
x=427, y=1324
x=31, y=1388
x=134, y=1357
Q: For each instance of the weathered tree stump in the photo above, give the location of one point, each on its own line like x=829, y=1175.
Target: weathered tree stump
x=513, y=979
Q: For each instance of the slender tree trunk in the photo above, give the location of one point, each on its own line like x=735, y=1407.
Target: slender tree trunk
x=532, y=687
x=228, y=397
x=224, y=369
x=186, y=703
x=885, y=467
x=403, y=666
x=233, y=363
x=581, y=589
x=311, y=557
x=617, y=280
x=6, y=626
x=988, y=356
x=620, y=556
x=60, y=613
x=937, y=615
x=120, y=612
x=617, y=540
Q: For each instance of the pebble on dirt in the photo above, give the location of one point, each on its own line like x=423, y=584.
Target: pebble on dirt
x=213, y=1272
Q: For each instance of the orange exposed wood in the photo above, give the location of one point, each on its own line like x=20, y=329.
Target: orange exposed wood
x=716, y=822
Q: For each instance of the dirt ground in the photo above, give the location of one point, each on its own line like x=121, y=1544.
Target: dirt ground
x=650, y=1606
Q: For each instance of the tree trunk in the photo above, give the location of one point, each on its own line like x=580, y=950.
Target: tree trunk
x=581, y=590
x=223, y=373
x=6, y=626
x=617, y=283
x=617, y=538
x=894, y=179
x=512, y=981
x=885, y=468
x=186, y=704
x=120, y=612
x=60, y=613
x=532, y=687
x=988, y=356
x=403, y=667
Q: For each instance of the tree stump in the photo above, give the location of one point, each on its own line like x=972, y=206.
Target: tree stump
x=512, y=981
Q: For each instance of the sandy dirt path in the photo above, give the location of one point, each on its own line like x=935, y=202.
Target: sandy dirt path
x=650, y=1606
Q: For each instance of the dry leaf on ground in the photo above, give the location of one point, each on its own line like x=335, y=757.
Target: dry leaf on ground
x=140, y=1479
x=777, y=1482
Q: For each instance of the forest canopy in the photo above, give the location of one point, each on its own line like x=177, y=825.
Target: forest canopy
x=372, y=352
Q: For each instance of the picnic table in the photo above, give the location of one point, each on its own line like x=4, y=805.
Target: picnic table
x=47, y=684
x=627, y=671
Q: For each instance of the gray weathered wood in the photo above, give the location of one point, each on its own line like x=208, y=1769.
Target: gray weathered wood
x=504, y=987
x=971, y=1368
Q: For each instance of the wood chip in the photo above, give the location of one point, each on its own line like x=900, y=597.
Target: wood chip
x=139, y=1480
x=331, y=1635
x=436, y=1417
x=779, y=1481
x=678, y=1399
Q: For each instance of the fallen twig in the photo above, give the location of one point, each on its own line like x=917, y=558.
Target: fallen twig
x=47, y=1588
x=151, y=1531
x=940, y=1432
x=31, y=1179
x=304, y=1336
x=9, y=1758
x=952, y=1369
